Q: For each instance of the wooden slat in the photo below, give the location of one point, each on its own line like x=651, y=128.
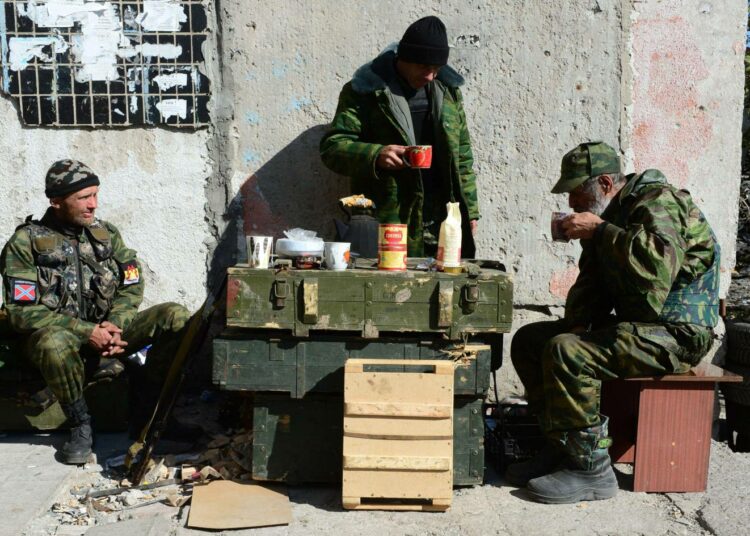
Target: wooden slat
x=398, y=463
x=382, y=409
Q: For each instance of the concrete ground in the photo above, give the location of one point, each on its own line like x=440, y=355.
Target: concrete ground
x=32, y=481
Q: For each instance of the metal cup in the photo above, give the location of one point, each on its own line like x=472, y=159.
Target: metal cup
x=558, y=233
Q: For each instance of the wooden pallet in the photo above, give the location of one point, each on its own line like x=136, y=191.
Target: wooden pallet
x=398, y=434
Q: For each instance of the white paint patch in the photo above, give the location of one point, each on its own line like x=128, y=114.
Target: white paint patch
x=166, y=81
x=60, y=13
x=101, y=35
x=161, y=16
x=23, y=49
x=168, y=52
x=102, y=39
x=171, y=107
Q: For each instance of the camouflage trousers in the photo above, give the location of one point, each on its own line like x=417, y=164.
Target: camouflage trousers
x=64, y=360
x=563, y=372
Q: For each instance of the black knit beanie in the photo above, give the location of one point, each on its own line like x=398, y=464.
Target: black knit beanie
x=425, y=42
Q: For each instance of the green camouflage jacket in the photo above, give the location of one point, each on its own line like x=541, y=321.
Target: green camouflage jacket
x=373, y=113
x=656, y=248
x=55, y=278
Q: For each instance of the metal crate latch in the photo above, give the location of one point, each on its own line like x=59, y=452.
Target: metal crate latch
x=471, y=297
x=280, y=292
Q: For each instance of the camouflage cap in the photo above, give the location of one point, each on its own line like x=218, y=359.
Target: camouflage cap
x=588, y=160
x=68, y=176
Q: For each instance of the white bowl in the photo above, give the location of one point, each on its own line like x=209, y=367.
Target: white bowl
x=295, y=248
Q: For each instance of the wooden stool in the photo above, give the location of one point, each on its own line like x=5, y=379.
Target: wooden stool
x=662, y=425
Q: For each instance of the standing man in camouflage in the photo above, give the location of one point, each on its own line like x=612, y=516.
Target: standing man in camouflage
x=651, y=258
x=409, y=96
x=72, y=290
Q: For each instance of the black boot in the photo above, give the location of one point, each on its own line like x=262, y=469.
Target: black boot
x=544, y=462
x=78, y=449
x=587, y=474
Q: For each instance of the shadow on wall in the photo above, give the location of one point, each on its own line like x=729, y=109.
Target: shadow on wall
x=293, y=189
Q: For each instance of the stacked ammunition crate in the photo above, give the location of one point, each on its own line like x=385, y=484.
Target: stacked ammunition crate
x=290, y=332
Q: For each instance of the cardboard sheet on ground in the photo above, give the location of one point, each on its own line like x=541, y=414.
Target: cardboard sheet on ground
x=222, y=504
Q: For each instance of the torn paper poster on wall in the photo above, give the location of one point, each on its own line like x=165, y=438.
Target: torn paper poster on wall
x=106, y=62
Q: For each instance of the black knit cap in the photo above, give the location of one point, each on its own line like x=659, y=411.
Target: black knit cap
x=425, y=42
x=68, y=176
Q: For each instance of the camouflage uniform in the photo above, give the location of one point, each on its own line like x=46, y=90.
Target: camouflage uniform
x=655, y=263
x=373, y=113
x=60, y=282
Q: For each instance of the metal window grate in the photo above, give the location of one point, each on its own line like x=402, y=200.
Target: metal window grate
x=154, y=77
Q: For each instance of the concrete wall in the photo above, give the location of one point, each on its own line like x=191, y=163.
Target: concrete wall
x=660, y=80
x=152, y=189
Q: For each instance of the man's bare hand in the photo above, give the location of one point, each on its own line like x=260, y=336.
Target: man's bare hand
x=116, y=346
x=390, y=157
x=473, y=225
x=581, y=225
x=100, y=338
x=109, y=326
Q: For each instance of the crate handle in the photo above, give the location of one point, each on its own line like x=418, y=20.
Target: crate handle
x=359, y=364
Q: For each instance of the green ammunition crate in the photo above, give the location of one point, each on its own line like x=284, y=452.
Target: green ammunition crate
x=300, y=440
x=250, y=361
x=369, y=302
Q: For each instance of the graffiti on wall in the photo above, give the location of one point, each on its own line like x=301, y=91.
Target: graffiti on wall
x=105, y=62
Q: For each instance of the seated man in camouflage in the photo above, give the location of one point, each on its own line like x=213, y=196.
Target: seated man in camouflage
x=72, y=290
x=650, y=257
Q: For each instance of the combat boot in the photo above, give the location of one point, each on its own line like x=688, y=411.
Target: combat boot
x=586, y=474
x=543, y=463
x=78, y=449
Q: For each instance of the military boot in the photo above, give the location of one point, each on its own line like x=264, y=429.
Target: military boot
x=586, y=474
x=78, y=449
x=543, y=463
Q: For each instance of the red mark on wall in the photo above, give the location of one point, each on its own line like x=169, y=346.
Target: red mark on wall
x=671, y=128
x=258, y=218
x=561, y=282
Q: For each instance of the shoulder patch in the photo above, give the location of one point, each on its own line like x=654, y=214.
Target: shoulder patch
x=23, y=292
x=131, y=275
x=100, y=234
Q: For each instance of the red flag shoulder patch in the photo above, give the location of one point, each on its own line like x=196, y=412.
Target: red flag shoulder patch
x=130, y=273
x=24, y=291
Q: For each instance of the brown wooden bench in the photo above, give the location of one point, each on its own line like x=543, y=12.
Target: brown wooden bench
x=662, y=425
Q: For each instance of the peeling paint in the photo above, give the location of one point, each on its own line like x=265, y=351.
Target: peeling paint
x=171, y=107
x=561, y=281
x=298, y=104
x=670, y=127
x=24, y=49
x=166, y=81
x=252, y=118
x=161, y=16
x=250, y=157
